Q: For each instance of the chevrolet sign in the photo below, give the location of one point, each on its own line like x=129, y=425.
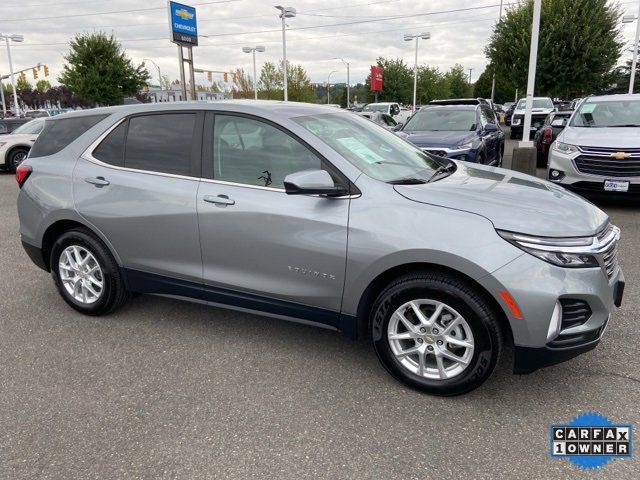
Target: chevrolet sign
x=183, y=24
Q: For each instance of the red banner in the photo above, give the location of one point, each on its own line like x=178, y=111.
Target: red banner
x=376, y=78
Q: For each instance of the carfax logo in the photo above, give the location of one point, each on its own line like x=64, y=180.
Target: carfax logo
x=591, y=440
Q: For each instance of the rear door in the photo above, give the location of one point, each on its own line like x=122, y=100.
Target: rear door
x=261, y=248
x=138, y=187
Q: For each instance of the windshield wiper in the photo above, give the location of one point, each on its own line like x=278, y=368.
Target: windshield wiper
x=449, y=168
x=626, y=125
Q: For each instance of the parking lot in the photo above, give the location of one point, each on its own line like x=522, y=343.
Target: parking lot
x=169, y=389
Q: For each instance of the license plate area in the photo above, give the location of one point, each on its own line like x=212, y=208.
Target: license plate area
x=616, y=185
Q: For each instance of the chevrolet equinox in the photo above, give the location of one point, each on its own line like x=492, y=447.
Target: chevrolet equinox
x=307, y=213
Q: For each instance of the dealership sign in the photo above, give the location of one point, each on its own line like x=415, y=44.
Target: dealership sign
x=183, y=26
x=376, y=78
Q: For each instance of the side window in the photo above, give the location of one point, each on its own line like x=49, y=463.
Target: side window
x=57, y=134
x=252, y=152
x=3, y=128
x=486, y=116
x=111, y=149
x=160, y=143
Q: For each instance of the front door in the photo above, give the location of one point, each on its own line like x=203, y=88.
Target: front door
x=261, y=248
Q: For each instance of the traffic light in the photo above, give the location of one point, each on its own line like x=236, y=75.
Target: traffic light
x=209, y=76
x=22, y=77
x=235, y=78
x=225, y=77
x=35, y=73
x=46, y=71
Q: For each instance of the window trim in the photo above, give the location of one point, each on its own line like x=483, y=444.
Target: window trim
x=208, y=160
x=196, y=151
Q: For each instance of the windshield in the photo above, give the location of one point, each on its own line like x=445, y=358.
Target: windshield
x=31, y=127
x=373, y=150
x=620, y=113
x=442, y=119
x=537, y=103
x=373, y=107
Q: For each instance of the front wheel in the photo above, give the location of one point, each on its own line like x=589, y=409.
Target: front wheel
x=436, y=333
x=15, y=158
x=86, y=274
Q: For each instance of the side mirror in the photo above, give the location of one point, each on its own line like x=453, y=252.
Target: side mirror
x=398, y=127
x=559, y=122
x=312, y=182
x=490, y=128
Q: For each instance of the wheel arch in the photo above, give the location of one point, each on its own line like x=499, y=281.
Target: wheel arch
x=377, y=285
x=13, y=148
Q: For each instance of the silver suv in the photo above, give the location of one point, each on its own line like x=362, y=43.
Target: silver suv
x=598, y=152
x=307, y=213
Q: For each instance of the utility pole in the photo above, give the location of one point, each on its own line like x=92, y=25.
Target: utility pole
x=15, y=38
x=531, y=80
x=408, y=38
x=635, y=54
x=285, y=12
x=329, y=87
x=493, y=82
x=470, y=70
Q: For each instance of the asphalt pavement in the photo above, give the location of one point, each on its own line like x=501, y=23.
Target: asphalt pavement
x=170, y=389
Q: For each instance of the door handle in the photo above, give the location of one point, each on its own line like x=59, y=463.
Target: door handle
x=97, y=181
x=220, y=200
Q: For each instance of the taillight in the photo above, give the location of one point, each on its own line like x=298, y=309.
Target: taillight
x=22, y=173
x=546, y=135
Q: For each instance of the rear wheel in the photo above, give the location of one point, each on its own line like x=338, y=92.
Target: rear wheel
x=435, y=333
x=15, y=158
x=86, y=274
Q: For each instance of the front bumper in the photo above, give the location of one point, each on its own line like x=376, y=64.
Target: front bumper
x=537, y=287
x=570, y=177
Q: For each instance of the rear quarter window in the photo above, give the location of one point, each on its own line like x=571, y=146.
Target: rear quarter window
x=57, y=134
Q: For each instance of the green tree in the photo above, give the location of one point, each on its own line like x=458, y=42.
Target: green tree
x=432, y=85
x=22, y=83
x=242, y=84
x=505, y=88
x=579, y=45
x=270, y=84
x=299, y=88
x=397, y=81
x=458, y=82
x=43, y=85
x=99, y=70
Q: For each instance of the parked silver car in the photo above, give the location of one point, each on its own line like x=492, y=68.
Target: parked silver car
x=311, y=214
x=598, y=152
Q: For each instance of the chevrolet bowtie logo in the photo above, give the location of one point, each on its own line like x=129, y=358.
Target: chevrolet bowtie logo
x=183, y=14
x=620, y=155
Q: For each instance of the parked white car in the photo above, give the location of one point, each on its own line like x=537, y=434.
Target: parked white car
x=541, y=107
x=392, y=109
x=15, y=146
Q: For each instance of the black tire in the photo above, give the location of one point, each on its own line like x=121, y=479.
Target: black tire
x=457, y=294
x=113, y=294
x=15, y=158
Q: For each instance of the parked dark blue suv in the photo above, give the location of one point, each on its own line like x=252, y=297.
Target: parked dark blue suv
x=461, y=129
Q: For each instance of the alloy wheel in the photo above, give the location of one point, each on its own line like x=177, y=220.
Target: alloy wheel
x=81, y=274
x=430, y=339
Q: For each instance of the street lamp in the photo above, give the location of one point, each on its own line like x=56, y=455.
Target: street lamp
x=285, y=12
x=253, y=50
x=329, y=86
x=630, y=19
x=407, y=38
x=15, y=38
x=347, y=65
x=158, y=68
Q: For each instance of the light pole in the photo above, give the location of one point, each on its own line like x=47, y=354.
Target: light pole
x=629, y=19
x=329, y=86
x=158, y=68
x=15, y=38
x=531, y=80
x=347, y=65
x=407, y=38
x=4, y=107
x=285, y=12
x=253, y=50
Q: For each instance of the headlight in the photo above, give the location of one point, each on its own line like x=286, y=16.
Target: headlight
x=571, y=252
x=564, y=147
x=465, y=145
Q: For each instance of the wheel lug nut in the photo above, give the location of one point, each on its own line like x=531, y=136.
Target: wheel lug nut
x=439, y=342
x=435, y=331
x=419, y=340
x=423, y=330
x=430, y=348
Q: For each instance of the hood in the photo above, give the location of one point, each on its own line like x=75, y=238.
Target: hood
x=612, y=137
x=17, y=137
x=511, y=201
x=437, y=138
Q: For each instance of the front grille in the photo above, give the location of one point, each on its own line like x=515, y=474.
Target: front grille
x=610, y=258
x=608, y=167
x=574, y=312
